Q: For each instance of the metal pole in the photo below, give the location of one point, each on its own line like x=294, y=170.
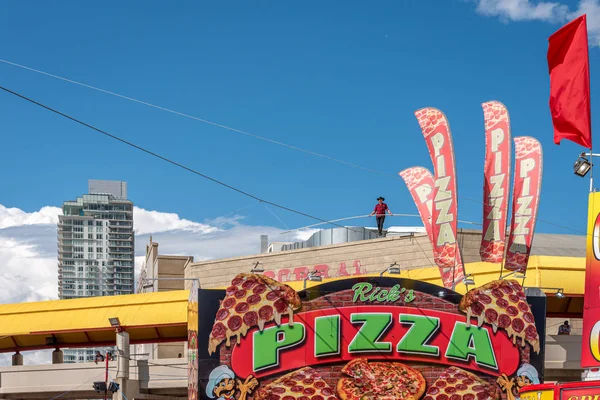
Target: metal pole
x=106, y=379
x=591, y=171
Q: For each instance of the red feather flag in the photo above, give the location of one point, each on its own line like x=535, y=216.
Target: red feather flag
x=569, y=68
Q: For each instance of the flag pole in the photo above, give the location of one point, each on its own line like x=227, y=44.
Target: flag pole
x=591, y=170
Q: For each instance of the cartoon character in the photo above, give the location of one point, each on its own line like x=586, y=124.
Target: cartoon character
x=526, y=375
x=222, y=384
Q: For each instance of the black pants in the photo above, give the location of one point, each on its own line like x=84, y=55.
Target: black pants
x=380, y=221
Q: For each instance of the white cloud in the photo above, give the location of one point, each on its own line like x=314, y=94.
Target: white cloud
x=153, y=221
x=549, y=11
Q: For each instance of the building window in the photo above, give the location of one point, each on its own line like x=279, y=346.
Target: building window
x=90, y=249
x=90, y=235
x=99, y=249
x=99, y=236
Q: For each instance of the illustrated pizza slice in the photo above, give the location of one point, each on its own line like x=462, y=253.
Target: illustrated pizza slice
x=502, y=304
x=251, y=300
x=457, y=384
x=380, y=380
x=303, y=384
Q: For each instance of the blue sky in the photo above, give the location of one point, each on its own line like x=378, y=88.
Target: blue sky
x=338, y=78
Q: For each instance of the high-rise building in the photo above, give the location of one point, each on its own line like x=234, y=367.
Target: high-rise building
x=96, y=247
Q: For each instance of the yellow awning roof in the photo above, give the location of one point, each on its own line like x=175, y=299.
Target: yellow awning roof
x=148, y=317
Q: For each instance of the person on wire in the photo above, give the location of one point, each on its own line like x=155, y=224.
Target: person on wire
x=379, y=212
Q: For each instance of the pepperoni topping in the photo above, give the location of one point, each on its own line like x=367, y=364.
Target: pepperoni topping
x=308, y=381
x=303, y=398
x=428, y=397
x=319, y=384
x=218, y=331
x=461, y=386
x=222, y=314
x=521, y=294
x=477, y=308
x=272, y=296
x=512, y=311
x=280, y=305
x=523, y=306
x=451, y=380
x=249, y=284
x=265, y=312
x=235, y=323
x=240, y=294
x=518, y=325
x=231, y=290
x=528, y=317
x=442, y=397
x=242, y=307
x=259, y=289
x=440, y=384
x=456, y=397
x=514, y=298
x=531, y=333
x=237, y=281
x=228, y=302
x=288, y=398
x=491, y=315
x=289, y=383
x=517, y=287
x=482, y=396
x=325, y=391
x=506, y=289
x=478, y=388
x=272, y=396
x=460, y=375
x=497, y=293
x=485, y=299
x=468, y=396
x=503, y=321
x=297, y=388
x=434, y=390
x=251, y=318
x=468, y=381
x=308, y=391
x=253, y=299
x=502, y=303
x=450, y=389
x=317, y=397
x=278, y=389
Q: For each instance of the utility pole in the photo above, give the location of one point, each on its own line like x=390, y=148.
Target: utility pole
x=106, y=379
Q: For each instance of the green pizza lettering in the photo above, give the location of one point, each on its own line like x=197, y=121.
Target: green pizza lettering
x=360, y=289
x=373, y=327
x=421, y=331
x=473, y=341
x=269, y=342
x=327, y=335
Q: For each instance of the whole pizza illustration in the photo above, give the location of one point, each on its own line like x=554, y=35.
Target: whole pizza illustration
x=457, y=384
x=251, y=300
x=380, y=380
x=305, y=383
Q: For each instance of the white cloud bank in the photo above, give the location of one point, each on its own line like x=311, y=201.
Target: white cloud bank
x=28, y=249
x=549, y=11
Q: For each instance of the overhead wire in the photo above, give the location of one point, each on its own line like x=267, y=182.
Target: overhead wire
x=156, y=155
x=242, y=132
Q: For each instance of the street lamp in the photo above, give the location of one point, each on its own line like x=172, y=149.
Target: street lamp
x=114, y=322
x=582, y=166
x=313, y=277
x=393, y=269
x=256, y=269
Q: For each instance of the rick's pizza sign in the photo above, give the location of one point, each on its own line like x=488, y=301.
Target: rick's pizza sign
x=359, y=338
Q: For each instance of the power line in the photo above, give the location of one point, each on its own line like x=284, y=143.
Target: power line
x=135, y=146
x=242, y=132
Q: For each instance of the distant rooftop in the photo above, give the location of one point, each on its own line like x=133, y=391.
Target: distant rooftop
x=117, y=189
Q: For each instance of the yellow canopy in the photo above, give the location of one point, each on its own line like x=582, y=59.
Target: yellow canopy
x=148, y=317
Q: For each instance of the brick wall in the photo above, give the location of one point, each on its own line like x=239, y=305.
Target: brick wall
x=332, y=373
x=366, y=256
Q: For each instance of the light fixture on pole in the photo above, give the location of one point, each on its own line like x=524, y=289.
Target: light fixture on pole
x=114, y=322
x=582, y=166
x=256, y=269
x=393, y=269
x=560, y=293
x=468, y=280
x=313, y=276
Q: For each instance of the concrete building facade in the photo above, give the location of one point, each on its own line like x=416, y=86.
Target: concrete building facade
x=96, y=247
x=162, y=273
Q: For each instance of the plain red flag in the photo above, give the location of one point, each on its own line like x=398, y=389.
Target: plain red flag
x=569, y=67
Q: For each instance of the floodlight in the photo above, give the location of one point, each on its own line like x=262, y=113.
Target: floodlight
x=581, y=166
x=467, y=280
x=560, y=293
x=114, y=322
x=256, y=269
x=313, y=277
x=99, y=387
x=393, y=269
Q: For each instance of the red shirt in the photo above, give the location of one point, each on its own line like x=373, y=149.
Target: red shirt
x=380, y=209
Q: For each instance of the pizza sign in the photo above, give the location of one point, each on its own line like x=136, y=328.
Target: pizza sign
x=380, y=338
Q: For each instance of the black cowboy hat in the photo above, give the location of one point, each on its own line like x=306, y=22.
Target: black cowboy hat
x=382, y=198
